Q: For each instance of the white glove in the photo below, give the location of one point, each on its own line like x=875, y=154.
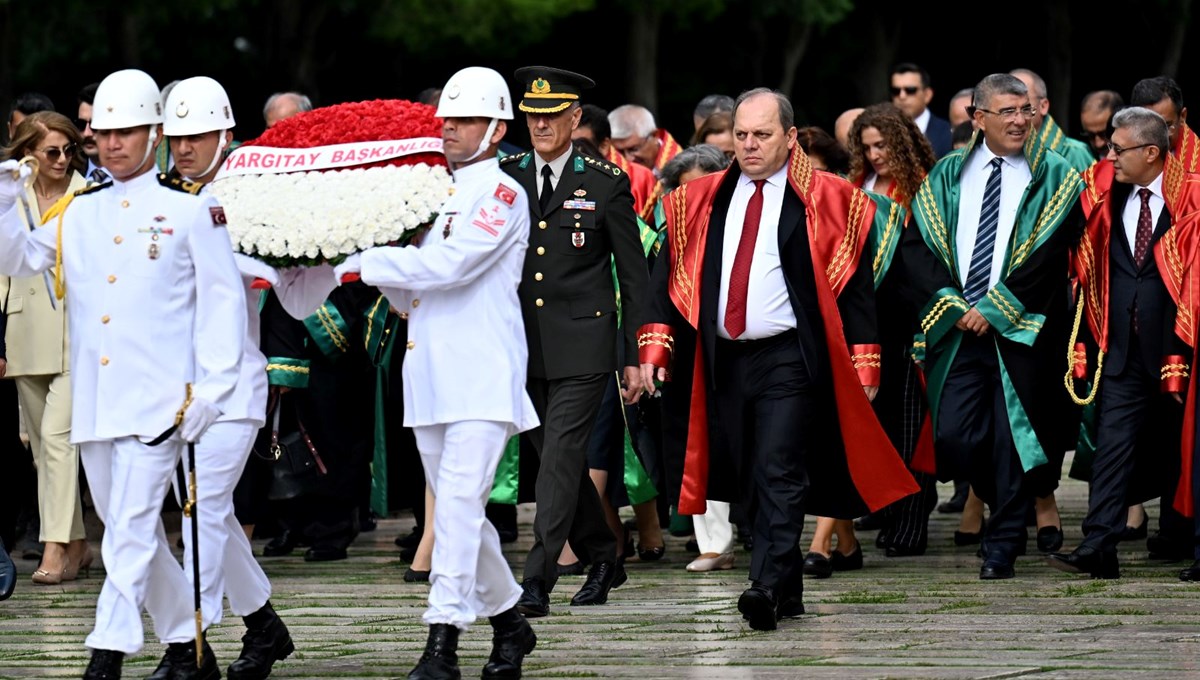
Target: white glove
x=200, y=414
x=258, y=269
x=11, y=189
x=352, y=265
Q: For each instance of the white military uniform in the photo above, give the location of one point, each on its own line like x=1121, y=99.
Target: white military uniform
x=464, y=376
x=154, y=302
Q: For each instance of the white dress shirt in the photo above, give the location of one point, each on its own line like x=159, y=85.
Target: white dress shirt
x=922, y=120
x=556, y=168
x=1133, y=208
x=1014, y=179
x=768, y=307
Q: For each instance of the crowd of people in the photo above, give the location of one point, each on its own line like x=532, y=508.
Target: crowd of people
x=769, y=323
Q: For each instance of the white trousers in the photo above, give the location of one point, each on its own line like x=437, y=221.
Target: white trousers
x=470, y=577
x=714, y=532
x=128, y=481
x=227, y=564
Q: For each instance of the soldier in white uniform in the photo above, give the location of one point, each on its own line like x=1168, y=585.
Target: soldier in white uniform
x=154, y=304
x=464, y=373
x=198, y=122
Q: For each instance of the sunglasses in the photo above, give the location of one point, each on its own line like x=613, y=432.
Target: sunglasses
x=52, y=153
x=82, y=123
x=910, y=90
x=1089, y=136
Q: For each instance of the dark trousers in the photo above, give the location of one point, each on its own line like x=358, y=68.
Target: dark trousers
x=764, y=404
x=568, y=506
x=973, y=439
x=1129, y=408
x=900, y=407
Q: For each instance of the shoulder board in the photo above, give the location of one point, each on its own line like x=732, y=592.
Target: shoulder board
x=601, y=166
x=513, y=157
x=179, y=184
x=92, y=188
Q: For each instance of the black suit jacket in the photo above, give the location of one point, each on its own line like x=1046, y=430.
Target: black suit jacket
x=1131, y=287
x=567, y=297
x=939, y=134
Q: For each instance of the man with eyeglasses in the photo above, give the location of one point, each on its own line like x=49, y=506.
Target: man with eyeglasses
x=1135, y=347
x=83, y=122
x=911, y=92
x=1095, y=112
x=988, y=256
x=636, y=137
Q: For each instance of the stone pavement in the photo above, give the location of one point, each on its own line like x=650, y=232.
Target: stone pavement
x=914, y=617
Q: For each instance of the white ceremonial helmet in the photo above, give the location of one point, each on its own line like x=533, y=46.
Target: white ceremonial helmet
x=126, y=99
x=475, y=91
x=195, y=106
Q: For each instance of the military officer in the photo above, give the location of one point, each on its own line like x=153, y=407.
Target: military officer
x=583, y=223
x=157, y=319
x=198, y=123
x=464, y=376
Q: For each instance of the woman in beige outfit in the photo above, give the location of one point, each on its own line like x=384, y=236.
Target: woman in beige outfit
x=37, y=354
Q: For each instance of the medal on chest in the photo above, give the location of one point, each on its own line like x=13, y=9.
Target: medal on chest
x=578, y=239
x=153, y=251
x=446, y=229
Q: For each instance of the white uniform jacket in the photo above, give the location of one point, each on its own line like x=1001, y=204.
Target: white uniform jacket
x=467, y=356
x=154, y=301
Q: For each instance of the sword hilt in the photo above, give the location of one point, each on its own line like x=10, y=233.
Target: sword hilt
x=32, y=163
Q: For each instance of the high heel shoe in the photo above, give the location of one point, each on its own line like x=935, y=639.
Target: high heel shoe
x=85, y=565
x=46, y=577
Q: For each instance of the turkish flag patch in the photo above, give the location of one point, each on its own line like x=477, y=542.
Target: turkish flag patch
x=218, y=216
x=506, y=194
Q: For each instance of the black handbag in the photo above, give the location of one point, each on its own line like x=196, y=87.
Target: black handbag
x=298, y=469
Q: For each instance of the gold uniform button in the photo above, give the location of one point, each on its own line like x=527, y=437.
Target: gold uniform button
x=537, y=276
x=416, y=303
x=112, y=278
x=598, y=313
x=542, y=224
x=541, y=250
x=117, y=240
x=103, y=361
x=411, y=344
x=538, y=302
x=124, y=204
x=576, y=225
x=105, y=319
x=577, y=215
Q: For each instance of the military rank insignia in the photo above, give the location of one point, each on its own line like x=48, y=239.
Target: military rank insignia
x=218, y=216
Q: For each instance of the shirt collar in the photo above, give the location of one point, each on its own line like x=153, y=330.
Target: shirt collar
x=922, y=119
x=479, y=168
x=556, y=166
x=1155, y=187
x=137, y=183
x=985, y=156
x=779, y=179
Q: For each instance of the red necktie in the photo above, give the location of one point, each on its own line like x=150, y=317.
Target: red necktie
x=1141, y=239
x=739, y=276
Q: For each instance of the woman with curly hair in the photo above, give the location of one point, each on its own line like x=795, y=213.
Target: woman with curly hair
x=888, y=155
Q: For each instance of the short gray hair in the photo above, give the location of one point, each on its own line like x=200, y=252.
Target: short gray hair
x=1039, y=85
x=629, y=120
x=998, y=84
x=711, y=104
x=787, y=116
x=302, y=102
x=1146, y=126
x=705, y=157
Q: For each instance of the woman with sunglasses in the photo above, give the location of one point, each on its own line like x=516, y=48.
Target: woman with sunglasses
x=35, y=335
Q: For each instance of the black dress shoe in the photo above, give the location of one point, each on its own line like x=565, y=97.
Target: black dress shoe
x=1049, y=539
x=882, y=539
x=368, y=522
x=790, y=607
x=413, y=576
x=534, y=601
x=440, y=660
x=1192, y=573
x=899, y=550
x=759, y=607
x=603, y=577
x=962, y=538
x=958, y=500
x=994, y=571
x=410, y=540
x=8, y=574
x=266, y=641
x=851, y=562
x=179, y=663
x=512, y=639
x=105, y=665
x=1087, y=560
x=692, y=546
x=817, y=565
x=1135, y=533
x=573, y=569
x=651, y=554
x=869, y=522
x=281, y=545
x=1169, y=547
x=324, y=553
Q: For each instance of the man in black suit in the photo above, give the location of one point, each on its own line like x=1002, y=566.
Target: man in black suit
x=911, y=92
x=783, y=324
x=583, y=223
x=1142, y=383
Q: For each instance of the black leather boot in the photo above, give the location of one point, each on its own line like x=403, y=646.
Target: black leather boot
x=105, y=665
x=266, y=641
x=179, y=663
x=440, y=660
x=512, y=639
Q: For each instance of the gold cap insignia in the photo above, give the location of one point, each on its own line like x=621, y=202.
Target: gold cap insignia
x=540, y=86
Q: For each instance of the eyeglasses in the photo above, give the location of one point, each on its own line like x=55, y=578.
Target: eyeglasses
x=1011, y=113
x=53, y=152
x=1119, y=150
x=82, y=123
x=634, y=147
x=1089, y=136
x=910, y=90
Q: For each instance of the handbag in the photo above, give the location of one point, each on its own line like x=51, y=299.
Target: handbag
x=298, y=468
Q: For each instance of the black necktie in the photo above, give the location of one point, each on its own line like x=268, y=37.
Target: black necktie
x=547, y=188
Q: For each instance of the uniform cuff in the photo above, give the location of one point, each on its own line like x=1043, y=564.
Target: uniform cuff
x=656, y=345
x=867, y=364
x=1174, y=373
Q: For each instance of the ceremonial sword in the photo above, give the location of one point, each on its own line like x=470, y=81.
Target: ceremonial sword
x=33, y=223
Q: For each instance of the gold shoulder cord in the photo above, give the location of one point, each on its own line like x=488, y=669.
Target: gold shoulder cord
x=1068, y=378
